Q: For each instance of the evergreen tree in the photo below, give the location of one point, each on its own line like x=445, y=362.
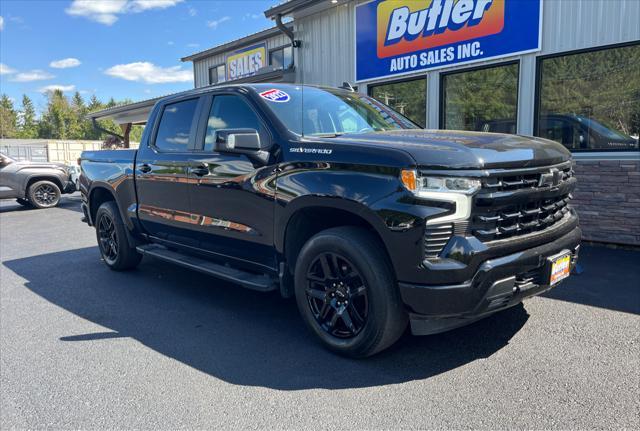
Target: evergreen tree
x=29, y=125
x=8, y=118
x=58, y=118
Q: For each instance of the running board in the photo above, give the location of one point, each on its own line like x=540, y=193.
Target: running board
x=262, y=283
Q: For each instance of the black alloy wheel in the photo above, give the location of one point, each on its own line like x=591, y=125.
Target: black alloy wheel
x=337, y=295
x=118, y=253
x=44, y=194
x=346, y=292
x=108, y=239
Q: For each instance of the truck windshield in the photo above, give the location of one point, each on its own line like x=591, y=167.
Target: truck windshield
x=326, y=112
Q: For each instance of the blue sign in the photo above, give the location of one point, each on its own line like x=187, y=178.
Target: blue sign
x=396, y=37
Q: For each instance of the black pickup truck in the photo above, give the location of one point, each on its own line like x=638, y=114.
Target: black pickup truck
x=332, y=197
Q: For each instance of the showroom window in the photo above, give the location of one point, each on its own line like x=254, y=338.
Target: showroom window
x=590, y=101
x=483, y=99
x=407, y=97
x=281, y=58
x=217, y=74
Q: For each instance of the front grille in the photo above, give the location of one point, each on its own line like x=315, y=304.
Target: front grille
x=526, y=180
x=435, y=238
x=520, y=219
x=517, y=203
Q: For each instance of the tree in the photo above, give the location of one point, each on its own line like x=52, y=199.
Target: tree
x=8, y=118
x=58, y=119
x=77, y=127
x=28, y=125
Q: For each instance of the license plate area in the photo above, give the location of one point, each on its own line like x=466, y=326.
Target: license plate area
x=559, y=267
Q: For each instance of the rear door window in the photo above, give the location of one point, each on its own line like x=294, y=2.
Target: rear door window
x=176, y=127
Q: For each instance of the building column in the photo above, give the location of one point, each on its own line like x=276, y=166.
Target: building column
x=526, y=94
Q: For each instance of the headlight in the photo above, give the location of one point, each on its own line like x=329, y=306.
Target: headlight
x=465, y=186
x=448, y=189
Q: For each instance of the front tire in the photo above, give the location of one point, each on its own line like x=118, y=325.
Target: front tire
x=112, y=238
x=44, y=194
x=347, y=294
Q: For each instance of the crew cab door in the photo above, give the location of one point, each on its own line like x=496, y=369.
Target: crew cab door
x=233, y=193
x=162, y=172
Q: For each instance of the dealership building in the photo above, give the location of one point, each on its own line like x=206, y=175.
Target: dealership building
x=567, y=70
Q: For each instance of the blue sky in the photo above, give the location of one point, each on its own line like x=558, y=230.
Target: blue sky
x=114, y=48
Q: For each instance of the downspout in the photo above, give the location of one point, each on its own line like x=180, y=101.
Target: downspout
x=287, y=31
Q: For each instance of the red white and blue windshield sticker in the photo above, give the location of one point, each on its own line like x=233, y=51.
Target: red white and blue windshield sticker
x=275, y=95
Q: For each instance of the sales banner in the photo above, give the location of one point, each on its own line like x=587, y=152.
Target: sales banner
x=396, y=37
x=246, y=62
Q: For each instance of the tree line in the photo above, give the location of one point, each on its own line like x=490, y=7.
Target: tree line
x=63, y=118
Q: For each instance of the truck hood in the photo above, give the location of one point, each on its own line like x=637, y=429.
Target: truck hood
x=464, y=150
x=39, y=165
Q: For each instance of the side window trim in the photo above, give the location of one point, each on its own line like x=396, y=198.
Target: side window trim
x=192, y=130
x=207, y=105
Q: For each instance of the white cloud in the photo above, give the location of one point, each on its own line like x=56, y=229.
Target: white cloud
x=192, y=11
x=51, y=88
x=170, y=43
x=193, y=45
x=216, y=22
x=32, y=75
x=107, y=11
x=6, y=70
x=142, y=5
x=150, y=73
x=1, y=23
x=102, y=11
x=65, y=63
x=251, y=15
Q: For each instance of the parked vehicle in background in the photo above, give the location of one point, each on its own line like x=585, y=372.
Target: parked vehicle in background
x=74, y=171
x=38, y=184
x=334, y=198
x=575, y=132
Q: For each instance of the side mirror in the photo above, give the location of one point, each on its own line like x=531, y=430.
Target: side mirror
x=239, y=140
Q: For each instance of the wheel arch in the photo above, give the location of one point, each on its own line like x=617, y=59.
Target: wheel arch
x=306, y=216
x=97, y=196
x=40, y=177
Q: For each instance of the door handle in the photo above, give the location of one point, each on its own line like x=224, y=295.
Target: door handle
x=200, y=170
x=145, y=169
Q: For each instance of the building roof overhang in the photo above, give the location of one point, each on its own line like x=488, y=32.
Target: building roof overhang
x=292, y=6
x=235, y=44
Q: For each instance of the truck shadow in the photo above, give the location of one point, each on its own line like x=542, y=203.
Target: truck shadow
x=71, y=203
x=237, y=335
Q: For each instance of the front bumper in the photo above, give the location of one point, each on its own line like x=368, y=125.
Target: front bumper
x=69, y=187
x=498, y=283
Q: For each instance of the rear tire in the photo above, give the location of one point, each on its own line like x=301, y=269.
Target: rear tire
x=347, y=294
x=44, y=194
x=113, y=241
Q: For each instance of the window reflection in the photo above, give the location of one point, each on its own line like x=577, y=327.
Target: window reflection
x=482, y=100
x=591, y=100
x=408, y=98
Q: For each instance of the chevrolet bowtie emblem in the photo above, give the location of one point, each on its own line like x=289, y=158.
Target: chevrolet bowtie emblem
x=551, y=178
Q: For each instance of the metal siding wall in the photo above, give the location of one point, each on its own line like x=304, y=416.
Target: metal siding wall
x=327, y=55
x=201, y=67
x=575, y=24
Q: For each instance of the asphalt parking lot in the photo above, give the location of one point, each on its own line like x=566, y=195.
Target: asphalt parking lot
x=161, y=347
